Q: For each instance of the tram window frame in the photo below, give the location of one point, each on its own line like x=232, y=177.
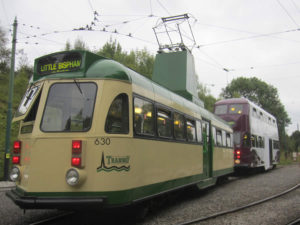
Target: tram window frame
x=199, y=131
x=235, y=108
x=190, y=124
x=182, y=129
x=121, y=126
x=205, y=126
x=214, y=135
x=219, y=137
x=67, y=122
x=31, y=116
x=166, y=114
x=223, y=138
x=152, y=131
x=228, y=140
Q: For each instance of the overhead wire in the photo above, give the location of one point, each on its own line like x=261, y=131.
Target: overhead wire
x=248, y=38
x=162, y=6
x=289, y=15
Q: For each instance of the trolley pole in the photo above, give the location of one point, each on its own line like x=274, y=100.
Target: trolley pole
x=10, y=99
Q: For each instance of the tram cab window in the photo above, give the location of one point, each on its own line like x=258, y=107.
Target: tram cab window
x=199, y=131
x=117, y=119
x=221, y=109
x=143, y=117
x=164, y=123
x=219, y=138
x=236, y=109
x=179, y=126
x=191, y=130
x=69, y=107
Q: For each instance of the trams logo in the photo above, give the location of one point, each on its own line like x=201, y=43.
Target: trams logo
x=114, y=163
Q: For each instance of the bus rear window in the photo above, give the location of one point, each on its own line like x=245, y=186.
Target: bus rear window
x=221, y=109
x=69, y=107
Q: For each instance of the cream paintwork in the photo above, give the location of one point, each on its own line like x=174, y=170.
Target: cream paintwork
x=48, y=155
x=222, y=158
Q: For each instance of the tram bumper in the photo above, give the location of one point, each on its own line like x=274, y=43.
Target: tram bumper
x=33, y=202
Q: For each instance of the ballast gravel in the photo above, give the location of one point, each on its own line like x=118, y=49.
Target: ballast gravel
x=238, y=191
x=190, y=204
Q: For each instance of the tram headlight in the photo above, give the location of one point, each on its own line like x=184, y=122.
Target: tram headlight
x=14, y=174
x=75, y=176
x=72, y=177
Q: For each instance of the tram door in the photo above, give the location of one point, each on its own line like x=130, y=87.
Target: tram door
x=207, y=149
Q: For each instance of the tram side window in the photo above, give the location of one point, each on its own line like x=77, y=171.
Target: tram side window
x=228, y=140
x=143, y=117
x=179, y=126
x=117, y=120
x=164, y=123
x=219, y=138
x=223, y=138
x=199, y=131
x=214, y=135
x=191, y=130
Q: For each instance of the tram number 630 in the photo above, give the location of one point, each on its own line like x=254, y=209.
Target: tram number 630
x=102, y=141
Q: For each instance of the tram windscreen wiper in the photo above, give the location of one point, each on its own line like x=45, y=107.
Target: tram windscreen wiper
x=78, y=86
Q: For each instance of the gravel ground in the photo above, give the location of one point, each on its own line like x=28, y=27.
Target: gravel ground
x=238, y=193
x=191, y=204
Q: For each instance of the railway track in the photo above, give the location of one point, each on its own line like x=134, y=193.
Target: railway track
x=222, y=213
x=6, y=188
x=52, y=219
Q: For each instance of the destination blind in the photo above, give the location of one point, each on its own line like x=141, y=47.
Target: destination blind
x=58, y=63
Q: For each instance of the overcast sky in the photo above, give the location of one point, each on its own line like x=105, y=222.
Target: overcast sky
x=249, y=38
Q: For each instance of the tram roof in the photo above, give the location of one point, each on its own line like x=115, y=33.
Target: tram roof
x=83, y=64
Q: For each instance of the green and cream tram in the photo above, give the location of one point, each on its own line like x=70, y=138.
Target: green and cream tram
x=94, y=133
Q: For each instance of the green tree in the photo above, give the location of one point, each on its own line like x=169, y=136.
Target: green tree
x=204, y=94
x=261, y=93
x=296, y=138
x=139, y=60
x=4, y=52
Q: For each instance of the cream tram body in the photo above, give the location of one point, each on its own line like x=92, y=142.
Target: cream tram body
x=124, y=139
